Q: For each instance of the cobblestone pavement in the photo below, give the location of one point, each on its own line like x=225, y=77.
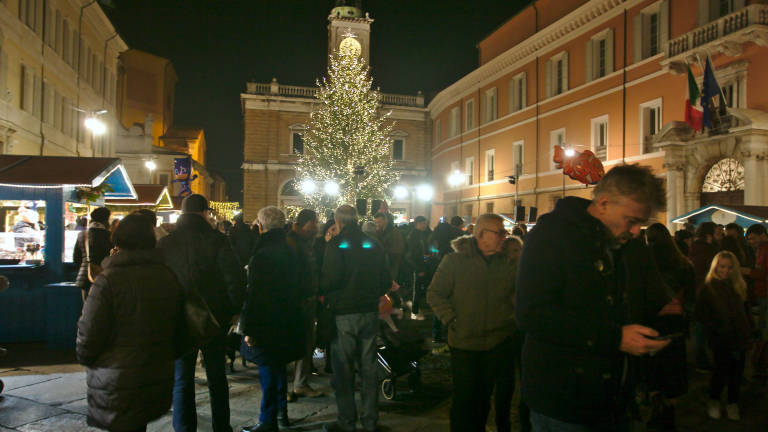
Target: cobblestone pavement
x=51, y=397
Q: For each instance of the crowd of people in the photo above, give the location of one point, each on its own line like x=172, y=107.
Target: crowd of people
x=593, y=308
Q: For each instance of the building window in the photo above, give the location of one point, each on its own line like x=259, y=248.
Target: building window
x=733, y=91
x=599, y=134
x=297, y=143
x=489, y=207
x=557, y=74
x=469, y=170
x=438, y=135
x=490, y=164
x=66, y=44
x=599, y=55
x=3, y=70
x=517, y=93
x=651, y=123
x=455, y=121
x=163, y=179
x=27, y=89
x=490, y=105
x=468, y=209
x=518, y=149
x=469, y=115
x=651, y=30
x=398, y=147
x=556, y=138
x=711, y=10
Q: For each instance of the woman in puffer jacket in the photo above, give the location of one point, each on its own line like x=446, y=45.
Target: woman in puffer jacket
x=128, y=331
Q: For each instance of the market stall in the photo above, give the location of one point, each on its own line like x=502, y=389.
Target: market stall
x=41, y=200
x=722, y=215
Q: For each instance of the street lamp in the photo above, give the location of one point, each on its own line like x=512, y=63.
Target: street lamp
x=569, y=153
x=400, y=193
x=425, y=192
x=456, y=179
x=96, y=126
x=308, y=187
x=331, y=188
x=150, y=165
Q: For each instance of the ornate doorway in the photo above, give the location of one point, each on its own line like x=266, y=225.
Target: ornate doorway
x=724, y=183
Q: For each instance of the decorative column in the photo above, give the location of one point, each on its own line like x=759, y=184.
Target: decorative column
x=675, y=191
x=754, y=152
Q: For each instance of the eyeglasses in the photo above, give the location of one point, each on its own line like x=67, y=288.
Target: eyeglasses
x=500, y=233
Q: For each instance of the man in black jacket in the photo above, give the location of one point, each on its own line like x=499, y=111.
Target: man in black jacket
x=354, y=277
x=415, y=256
x=580, y=296
x=203, y=261
x=99, y=245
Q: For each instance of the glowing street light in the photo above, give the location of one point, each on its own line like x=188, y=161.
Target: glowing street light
x=400, y=193
x=569, y=152
x=331, y=188
x=151, y=165
x=425, y=192
x=456, y=179
x=308, y=187
x=96, y=126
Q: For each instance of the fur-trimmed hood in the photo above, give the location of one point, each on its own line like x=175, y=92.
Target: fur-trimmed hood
x=467, y=245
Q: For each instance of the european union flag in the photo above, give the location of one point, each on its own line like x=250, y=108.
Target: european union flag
x=709, y=90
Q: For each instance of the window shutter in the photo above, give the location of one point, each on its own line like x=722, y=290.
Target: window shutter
x=483, y=108
x=39, y=17
x=565, y=71
x=3, y=73
x=588, y=62
x=703, y=12
x=663, y=25
x=549, y=78
x=525, y=91
x=609, y=52
x=637, y=36
x=36, y=102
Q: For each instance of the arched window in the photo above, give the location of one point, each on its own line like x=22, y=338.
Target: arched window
x=290, y=189
x=727, y=175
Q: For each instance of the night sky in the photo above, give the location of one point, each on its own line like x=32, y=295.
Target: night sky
x=217, y=46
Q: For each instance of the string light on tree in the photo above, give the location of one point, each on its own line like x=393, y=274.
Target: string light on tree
x=346, y=131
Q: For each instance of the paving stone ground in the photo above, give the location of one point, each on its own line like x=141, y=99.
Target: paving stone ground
x=45, y=391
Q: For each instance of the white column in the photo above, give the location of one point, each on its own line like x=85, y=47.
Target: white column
x=754, y=151
x=675, y=198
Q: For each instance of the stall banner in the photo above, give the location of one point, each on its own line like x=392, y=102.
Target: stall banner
x=182, y=171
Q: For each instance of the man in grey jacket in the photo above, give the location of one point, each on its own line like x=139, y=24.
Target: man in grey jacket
x=472, y=293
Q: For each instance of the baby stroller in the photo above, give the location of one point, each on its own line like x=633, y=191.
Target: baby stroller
x=398, y=355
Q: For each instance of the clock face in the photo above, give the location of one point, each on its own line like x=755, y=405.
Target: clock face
x=350, y=45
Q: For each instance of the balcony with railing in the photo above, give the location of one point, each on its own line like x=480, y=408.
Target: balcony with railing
x=726, y=34
x=276, y=89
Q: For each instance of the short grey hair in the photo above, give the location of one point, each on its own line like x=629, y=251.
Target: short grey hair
x=346, y=215
x=271, y=217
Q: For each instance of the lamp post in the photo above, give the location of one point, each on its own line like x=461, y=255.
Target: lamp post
x=150, y=165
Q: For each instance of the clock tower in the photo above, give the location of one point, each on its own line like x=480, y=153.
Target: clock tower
x=348, y=28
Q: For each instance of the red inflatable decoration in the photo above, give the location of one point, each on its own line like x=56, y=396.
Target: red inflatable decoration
x=584, y=167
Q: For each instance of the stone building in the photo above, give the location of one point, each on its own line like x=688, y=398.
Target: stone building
x=275, y=116
x=58, y=66
x=608, y=76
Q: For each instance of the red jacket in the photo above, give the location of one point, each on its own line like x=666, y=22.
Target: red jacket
x=760, y=272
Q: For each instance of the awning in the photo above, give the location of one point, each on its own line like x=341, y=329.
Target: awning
x=722, y=215
x=148, y=195
x=52, y=171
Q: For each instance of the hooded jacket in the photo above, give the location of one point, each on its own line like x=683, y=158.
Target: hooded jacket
x=576, y=288
x=474, y=296
x=126, y=339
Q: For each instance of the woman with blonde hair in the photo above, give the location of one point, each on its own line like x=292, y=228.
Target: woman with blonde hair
x=720, y=307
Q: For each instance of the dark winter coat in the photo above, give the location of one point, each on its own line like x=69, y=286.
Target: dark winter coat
x=575, y=291
x=394, y=247
x=701, y=255
x=418, y=243
x=309, y=278
x=203, y=261
x=99, y=245
x=355, y=273
x=474, y=296
x=721, y=310
x=243, y=240
x=442, y=236
x=272, y=314
x=126, y=338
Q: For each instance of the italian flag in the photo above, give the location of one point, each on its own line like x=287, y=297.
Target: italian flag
x=693, y=115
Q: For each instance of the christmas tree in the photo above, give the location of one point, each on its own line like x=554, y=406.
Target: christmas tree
x=347, y=145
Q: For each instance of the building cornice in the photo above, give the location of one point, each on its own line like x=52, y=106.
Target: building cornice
x=546, y=40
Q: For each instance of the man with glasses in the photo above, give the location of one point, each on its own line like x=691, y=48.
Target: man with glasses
x=472, y=294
